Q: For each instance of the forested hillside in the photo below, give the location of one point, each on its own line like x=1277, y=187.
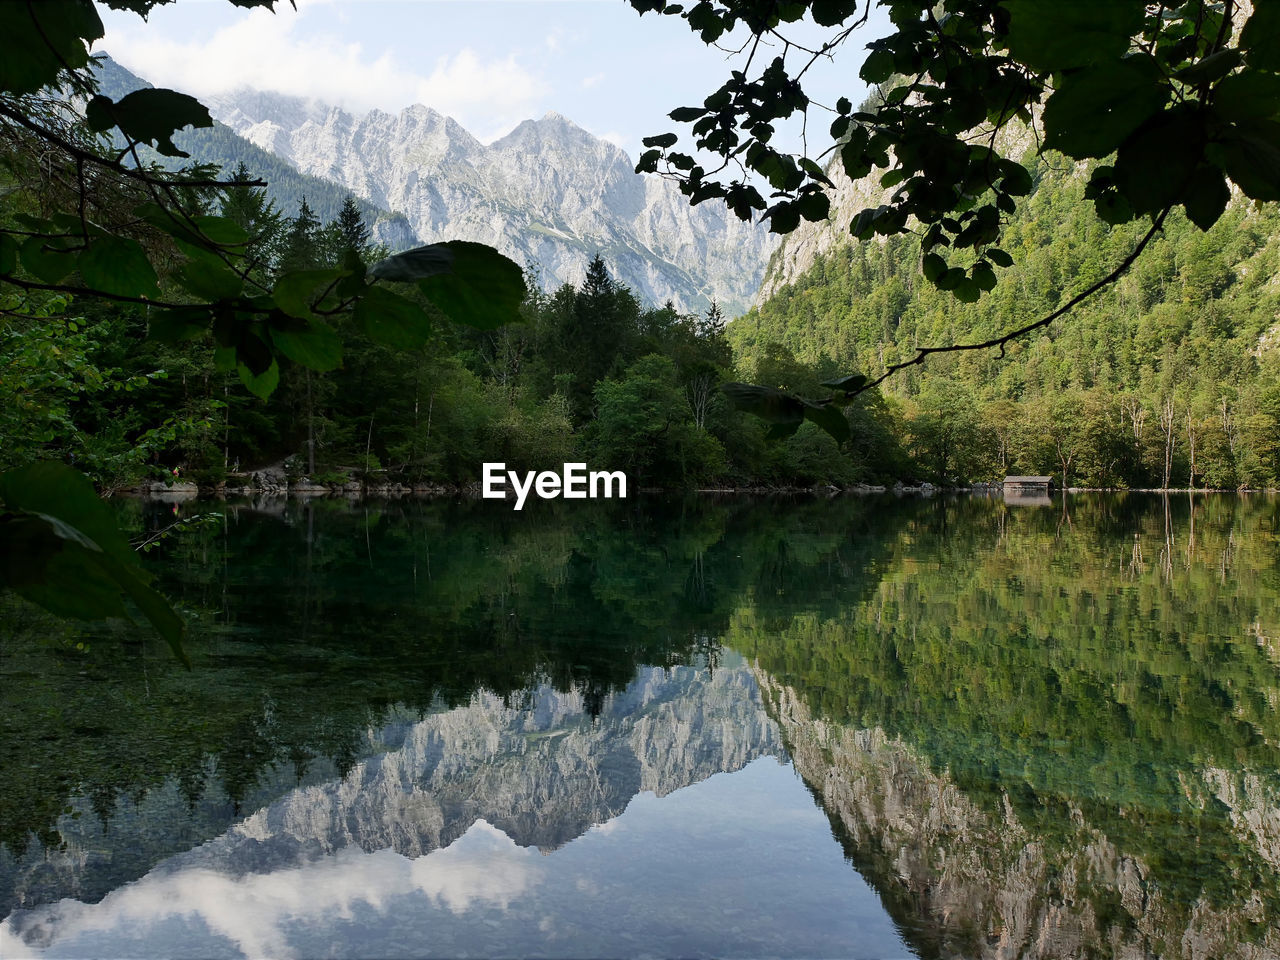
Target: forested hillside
x=1167, y=378
x=592, y=373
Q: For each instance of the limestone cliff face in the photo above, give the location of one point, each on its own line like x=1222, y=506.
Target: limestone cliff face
x=549, y=195
x=543, y=771
x=964, y=883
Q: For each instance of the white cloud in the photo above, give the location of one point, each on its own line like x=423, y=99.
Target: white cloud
x=255, y=912
x=591, y=81
x=277, y=51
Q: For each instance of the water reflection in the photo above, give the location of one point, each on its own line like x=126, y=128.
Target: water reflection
x=1037, y=733
x=669, y=824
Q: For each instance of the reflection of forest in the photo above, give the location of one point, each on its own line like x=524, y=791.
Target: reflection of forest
x=1052, y=740
x=1039, y=732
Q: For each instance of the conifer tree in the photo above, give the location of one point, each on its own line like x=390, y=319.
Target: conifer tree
x=300, y=249
x=713, y=322
x=350, y=230
x=251, y=209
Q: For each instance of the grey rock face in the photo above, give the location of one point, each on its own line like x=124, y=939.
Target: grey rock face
x=549, y=195
x=542, y=773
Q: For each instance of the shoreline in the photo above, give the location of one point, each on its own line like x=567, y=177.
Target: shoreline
x=355, y=490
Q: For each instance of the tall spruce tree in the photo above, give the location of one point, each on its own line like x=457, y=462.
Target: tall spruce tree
x=257, y=215
x=300, y=248
x=350, y=232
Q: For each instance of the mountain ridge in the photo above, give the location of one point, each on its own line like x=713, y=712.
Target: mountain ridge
x=549, y=194
x=222, y=146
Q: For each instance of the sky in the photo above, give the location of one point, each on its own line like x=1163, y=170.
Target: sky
x=489, y=64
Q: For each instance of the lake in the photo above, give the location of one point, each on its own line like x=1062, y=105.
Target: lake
x=870, y=727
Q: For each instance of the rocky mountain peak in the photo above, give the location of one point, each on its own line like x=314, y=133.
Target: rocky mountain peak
x=549, y=194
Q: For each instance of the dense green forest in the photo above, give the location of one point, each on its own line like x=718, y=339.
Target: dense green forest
x=1168, y=378
x=591, y=373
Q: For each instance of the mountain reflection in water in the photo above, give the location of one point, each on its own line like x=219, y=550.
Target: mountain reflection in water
x=881, y=728
x=433, y=849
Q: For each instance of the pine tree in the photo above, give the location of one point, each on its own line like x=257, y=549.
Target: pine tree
x=713, y=322
x=257, y=215
x=300, y=249
x=351, y=231
x=598, y=283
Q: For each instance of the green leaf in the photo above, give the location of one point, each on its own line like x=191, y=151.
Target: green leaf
x=484, y=290
x=1155, y=165
x=391, y=319
x=999, y=257
x=768, y=403
x=50, y=563
x=1113, y=208
x=45, y=260
x=850, y=383
x=223, y=231
x=968, y=291
x=352, y=283
x=661, y=141
x=151, y=115
x=1211, y=68
x=829, y=418
x=1248, y=95
x=59, y=491
x=1207, y=197
x=175, y=326
x=41, y=38
x=951, y=279
x=263, y=384
x=686, y=114
x=62, y=549
x=209, y=281
x=8, y=253
x=1259, y=35
x=781, y=431
x=1052, y=35
x=157, y=610
x=815, y=171
x=933, y=267
x=415, y=264
x=120, y=266
x=295, y=291
x=983, y=276
x=783, y=218
x=1094, y=109
x=827, y=13
x=1017, y=180
x=1251, y=157
x=878, y=67
x=316, y=347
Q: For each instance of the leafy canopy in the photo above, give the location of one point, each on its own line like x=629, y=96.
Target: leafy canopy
x=1172, y=103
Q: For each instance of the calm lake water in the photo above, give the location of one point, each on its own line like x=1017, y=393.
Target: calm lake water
x=882, y=728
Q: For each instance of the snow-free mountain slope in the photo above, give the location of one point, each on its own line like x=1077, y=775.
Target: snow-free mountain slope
x=549, y=194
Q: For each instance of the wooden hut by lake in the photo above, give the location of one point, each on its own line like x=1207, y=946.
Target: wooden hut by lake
x=1028, y=485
